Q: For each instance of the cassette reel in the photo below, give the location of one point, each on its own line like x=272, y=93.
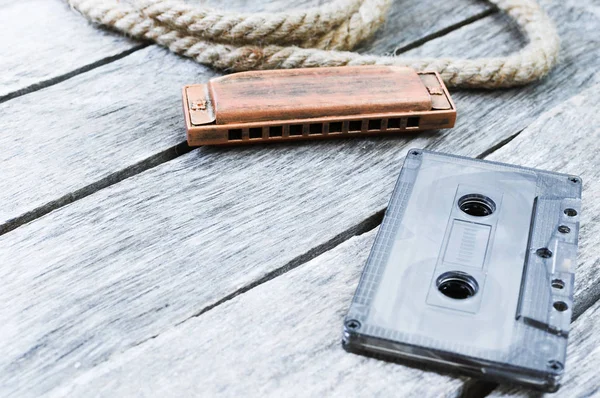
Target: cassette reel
x=472, y=270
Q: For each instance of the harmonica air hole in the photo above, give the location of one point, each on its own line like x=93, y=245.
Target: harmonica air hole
x=457, y=285
x=477, y=205
x=315, y=128
x=335, y=127
x=412, y=122
x=235, y=134
x=354, y=126
x=558, y=284
x=394, y=123
x=571, y=212
x=560, y=306
x=296, y=129
x=255, y=132
x=374, y=124
x=275, y=131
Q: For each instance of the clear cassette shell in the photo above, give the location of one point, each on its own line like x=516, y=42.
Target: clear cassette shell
x=472, y=270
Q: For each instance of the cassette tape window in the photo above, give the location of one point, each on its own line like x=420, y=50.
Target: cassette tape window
x=472, y=269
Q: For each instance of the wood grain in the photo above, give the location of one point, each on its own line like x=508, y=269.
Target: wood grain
x=117, y=116
x=280, y=339
x=292, y=322
x=545, y=144
x=408, y=20
x=70, y=135
x=43, y=40
x=564, y=139
x=125, y=264
x=583, y=360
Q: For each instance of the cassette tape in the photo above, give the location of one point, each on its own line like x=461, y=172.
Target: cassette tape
x=472, y=270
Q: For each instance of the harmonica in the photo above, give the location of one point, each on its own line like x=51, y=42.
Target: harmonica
x=317, y=103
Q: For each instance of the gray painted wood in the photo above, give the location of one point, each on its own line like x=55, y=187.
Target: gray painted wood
x=43, y=40
x=70, y=135
x=282, y=338
x=125, y=264
x=565, y=139
x=118, y=115
x=410, y=19
x=583, y=360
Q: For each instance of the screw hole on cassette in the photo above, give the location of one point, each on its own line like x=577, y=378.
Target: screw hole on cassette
x=571, y=212
x=544, y=252
x=555, y=365
x=563, y=229
x=476, y=205
x=457, y=285
x=352, y=324
x=415, y=153
x=574, y=180
x=558, y=284
x=560, y=306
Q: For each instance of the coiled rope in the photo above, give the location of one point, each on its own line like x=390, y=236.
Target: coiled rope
x=319, y=36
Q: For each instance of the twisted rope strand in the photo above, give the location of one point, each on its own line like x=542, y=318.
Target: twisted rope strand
x=190, y=32
x=340, y=25
x=281, y=28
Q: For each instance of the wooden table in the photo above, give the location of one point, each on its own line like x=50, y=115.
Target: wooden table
x=131, y=264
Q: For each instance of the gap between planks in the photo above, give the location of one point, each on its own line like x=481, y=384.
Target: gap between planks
x=114, y=178
x=538, y=148
x=472, y=388
x=443, y=32
x=174, y=151
x=61, y=78
x=371, y=222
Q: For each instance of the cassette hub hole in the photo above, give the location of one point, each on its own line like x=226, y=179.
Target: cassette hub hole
x=457, y=285
x=560, y=306
x=477, y=205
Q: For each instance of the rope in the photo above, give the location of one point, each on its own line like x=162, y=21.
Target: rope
x=319, y=36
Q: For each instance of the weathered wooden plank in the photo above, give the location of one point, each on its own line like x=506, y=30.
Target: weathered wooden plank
x=566, y=139
x=410, y=19
x=583, y=360
x=70, y=135
x=124, y=113
x=491, y=112
x=133, y=259
x=43, y=40
x=280, y=339
x=287, y=330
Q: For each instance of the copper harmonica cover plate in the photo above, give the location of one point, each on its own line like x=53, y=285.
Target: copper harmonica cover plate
x=258, y=96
